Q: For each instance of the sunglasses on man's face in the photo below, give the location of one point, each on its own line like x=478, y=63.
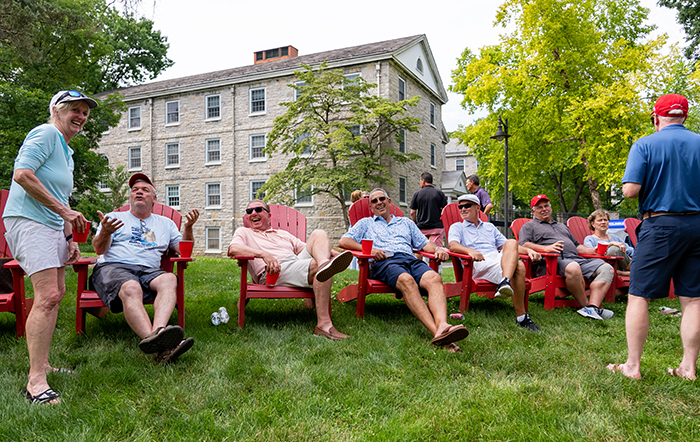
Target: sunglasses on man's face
x=377, y=200
x=465, y=206
x=256, y=209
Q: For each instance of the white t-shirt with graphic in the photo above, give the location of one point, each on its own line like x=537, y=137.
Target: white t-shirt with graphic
x=141, y=242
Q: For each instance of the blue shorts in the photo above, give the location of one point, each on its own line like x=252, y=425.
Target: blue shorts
x=108, y=277
x=668, y=247
x=389, y=270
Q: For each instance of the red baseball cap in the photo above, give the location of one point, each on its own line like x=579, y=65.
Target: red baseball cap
x=671, y=105
x=537, y=199
x=139, y=177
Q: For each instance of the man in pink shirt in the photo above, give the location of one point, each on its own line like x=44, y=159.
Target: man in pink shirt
x=311, y=264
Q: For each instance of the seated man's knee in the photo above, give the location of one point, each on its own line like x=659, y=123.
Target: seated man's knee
x=318, y=234
x=405, y=281
x=431, y=277
x=130, y=289
x=520, y=269
x=510, y=244
x=603, y=273
x=573, y=270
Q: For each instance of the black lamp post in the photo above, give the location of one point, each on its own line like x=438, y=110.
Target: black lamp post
x=503, y=135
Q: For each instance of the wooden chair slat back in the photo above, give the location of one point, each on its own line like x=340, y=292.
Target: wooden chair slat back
x=516, y=225
x=361, y=209
x=579, y=228
x=159, y=209
x=287, y=219
x=631, y=229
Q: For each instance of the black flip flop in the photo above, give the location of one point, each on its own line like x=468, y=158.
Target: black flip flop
x=44, y=397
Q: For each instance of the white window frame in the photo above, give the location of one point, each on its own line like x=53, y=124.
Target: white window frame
x=250, y=188
x=209, y=195
x=419, y=65
x=403, y=188
x=208, y=230
x=298, y=203
x=250, y=148
x=207, y=161
x=130, y=118
x=432, y=114
x=401, y=81
x=403, y=135
x=101, y=184
x=207, y=108
x=168, y=188
x=297, y=92
x=457, y=163
x=309, y=150
x=132, y=158
x=250, y=101
x=433, y=156
x=168, y=164
x=172, y=123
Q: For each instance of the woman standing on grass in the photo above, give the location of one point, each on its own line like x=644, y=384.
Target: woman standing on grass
x=39, y=225
x=599, y=222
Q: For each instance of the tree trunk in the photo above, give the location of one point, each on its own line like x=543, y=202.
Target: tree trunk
x=592, y=184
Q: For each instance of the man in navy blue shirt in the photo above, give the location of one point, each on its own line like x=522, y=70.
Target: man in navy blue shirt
x=661, y=171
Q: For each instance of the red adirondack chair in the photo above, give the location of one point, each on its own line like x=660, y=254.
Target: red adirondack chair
x=87, y=299
x=580, y=229
x=463, y=266
x=283, y=218
x=14, y=300
x=631, y=231
x=361, y=209
x=537, y=283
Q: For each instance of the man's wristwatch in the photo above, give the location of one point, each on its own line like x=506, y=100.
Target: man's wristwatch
x=69, y=237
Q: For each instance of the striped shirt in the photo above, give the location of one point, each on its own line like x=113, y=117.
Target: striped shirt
x=399, y=235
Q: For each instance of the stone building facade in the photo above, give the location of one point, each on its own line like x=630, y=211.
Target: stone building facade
x=200, y=138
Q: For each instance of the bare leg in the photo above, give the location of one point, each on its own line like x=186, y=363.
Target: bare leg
x=166, y=287
x=518, y=284
x=434, y=315
x=575, y=283
x=637, y=328
x=690, y=335
x=599, y=289
x=49, y=290
x=509, y=258
x=319, y=247
x=134, y=312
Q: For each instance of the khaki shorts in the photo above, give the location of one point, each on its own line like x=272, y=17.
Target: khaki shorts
x=36, y=247
x=490, y=268
x=294, y=271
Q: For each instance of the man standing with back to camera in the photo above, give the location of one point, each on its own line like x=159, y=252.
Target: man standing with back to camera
x=661, y=170
x=426, y=209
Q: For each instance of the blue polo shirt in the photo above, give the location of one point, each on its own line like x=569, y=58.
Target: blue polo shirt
x=484, y=238
x=46, y=153
x=666, y=164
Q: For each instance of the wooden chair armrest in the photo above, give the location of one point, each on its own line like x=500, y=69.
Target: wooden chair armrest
x=13, y=264
x=243, y=257
x=359, y=254
x=460, y=256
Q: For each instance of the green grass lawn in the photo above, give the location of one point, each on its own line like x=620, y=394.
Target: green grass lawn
x=275, y=381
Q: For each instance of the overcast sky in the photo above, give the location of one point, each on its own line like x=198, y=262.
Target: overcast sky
x=211, y=35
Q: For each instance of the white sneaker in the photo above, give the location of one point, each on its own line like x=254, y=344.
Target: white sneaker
x=605, y=313
x=589, y=312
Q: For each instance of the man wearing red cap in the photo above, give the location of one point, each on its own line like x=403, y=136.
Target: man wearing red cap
x=128, y=271
x=543, y=234
x=661, y=169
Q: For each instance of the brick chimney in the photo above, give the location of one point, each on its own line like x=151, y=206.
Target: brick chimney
x=275, y=54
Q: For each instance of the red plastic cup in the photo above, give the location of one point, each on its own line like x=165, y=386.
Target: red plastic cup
x=186, y=248
x=81, y=237
x=367, y=246
x=602, y=248
x=272, y=278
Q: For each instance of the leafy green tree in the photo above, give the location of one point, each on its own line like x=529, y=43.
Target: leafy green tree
x=320, y=132
x=576, y=81
x=52, y=45
x=688, y=17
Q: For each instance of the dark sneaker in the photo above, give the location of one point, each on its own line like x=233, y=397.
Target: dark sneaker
x=504, y=290
x=528, y=324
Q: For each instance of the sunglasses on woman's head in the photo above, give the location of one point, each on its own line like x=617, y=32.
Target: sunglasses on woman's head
x=465, y=206
x=376, y=200
x=74, y=94
x=256, y=209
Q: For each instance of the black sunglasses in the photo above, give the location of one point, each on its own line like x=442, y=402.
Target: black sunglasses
x=256, y=209
x=465, y=206
x=376, y=200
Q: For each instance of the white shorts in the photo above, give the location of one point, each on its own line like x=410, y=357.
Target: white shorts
x=294, y=271
x=36, y=247
x=490, y=268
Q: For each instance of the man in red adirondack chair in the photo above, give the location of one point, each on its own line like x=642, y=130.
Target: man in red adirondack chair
x=128, y=271
x=495, y=258
x=543, y=234
x=395, y=238
x=310, y=265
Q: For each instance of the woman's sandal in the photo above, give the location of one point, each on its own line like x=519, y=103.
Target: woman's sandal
x=44, y=397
